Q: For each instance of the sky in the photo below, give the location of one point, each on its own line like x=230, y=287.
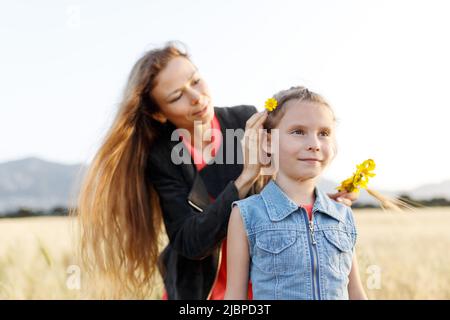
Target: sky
x=382, y=65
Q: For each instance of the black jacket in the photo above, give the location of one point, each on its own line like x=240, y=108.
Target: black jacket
x=194, y=224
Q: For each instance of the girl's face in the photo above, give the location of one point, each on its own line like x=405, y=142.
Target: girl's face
x=306, y=140
x=182, y=95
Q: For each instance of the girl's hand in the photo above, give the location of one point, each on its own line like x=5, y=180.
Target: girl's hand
x=344, y=197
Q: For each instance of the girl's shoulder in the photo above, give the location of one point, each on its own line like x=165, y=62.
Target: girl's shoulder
x=338, y=211
x=252, y=209
x=253, y=200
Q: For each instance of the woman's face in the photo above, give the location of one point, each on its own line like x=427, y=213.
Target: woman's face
x=306, y=140
x=182, y=95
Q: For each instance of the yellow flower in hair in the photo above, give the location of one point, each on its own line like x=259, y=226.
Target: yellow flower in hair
x=360, y=178
x=271, y=104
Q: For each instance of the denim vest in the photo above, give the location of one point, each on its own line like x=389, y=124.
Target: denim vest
x=291, y=258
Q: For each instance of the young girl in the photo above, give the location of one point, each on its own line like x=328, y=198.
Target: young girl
x=291, y=240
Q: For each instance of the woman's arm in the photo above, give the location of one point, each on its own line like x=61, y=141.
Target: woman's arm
x=191, y=233
x=238, y=258
x=355, y=287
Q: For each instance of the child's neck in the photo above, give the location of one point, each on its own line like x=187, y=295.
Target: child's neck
x=299, y=191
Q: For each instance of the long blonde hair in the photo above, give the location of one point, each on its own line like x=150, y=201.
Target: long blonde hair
x=118, y=209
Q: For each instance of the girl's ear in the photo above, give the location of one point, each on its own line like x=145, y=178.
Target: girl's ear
x=266, y=142
x=269, y=152
x=158, y=116
x=265, y=154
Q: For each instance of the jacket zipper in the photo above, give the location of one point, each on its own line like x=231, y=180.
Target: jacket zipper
x=217, y=272
x=195, y=206
x=314, y=261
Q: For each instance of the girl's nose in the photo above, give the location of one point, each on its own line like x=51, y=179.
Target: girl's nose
x=313, y=144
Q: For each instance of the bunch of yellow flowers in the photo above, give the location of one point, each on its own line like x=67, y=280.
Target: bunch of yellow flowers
x=360, y=178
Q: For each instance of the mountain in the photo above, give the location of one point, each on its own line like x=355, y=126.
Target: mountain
x=37, y=184
x=428, y=191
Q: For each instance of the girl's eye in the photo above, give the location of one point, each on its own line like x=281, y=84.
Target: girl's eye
x=324, y=133
x=196, y=81
x=299, y=131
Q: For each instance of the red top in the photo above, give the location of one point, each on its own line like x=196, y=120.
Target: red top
x=216, y=139
x=308, y=208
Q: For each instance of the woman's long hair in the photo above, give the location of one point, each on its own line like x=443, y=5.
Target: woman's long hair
x=118, y=209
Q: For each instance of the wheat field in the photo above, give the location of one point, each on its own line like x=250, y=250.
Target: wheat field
x=401, y=256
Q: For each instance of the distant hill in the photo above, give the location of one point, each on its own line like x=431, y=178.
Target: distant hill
x=38, y=184
x=428, y=191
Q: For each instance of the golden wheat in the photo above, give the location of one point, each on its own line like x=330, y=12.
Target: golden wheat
x=401, y=256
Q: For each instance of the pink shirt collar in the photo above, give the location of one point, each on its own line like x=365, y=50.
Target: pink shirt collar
x=216, y=138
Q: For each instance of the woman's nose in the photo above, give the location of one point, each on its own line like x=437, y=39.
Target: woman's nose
x=194, y=101
x=195, y=98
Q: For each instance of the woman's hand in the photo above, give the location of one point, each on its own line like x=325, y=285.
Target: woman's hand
x=251, y=153
x=344, y=197
x=251, y=144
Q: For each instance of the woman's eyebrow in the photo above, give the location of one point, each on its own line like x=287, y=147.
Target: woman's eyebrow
x=179, y=89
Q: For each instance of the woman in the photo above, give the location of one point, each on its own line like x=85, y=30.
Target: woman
x=136, y=180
